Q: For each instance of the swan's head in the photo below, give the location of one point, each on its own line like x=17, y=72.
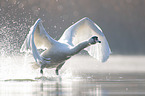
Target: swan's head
x=94, y=40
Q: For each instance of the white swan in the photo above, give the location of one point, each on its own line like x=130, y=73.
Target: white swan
x=84, y=34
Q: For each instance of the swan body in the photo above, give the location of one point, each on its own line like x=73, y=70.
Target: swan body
x=84, y=34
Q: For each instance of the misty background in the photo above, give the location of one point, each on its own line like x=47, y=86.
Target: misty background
x=122, y=21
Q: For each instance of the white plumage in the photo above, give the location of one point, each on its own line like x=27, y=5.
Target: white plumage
x=81, y=35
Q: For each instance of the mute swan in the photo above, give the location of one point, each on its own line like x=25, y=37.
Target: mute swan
x=84, y=34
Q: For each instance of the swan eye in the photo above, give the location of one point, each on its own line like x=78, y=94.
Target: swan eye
x=95, y=37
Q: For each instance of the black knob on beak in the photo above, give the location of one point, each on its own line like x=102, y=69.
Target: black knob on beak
x=99, y=41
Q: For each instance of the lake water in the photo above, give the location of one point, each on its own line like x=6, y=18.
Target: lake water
x=80, y=76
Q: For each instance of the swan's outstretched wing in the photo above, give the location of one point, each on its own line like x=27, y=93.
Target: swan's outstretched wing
x=84, y=30
x=37, y=38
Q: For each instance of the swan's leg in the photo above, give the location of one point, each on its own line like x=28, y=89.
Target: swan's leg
x=41, y=68
x=57, y=68
x=41, y=71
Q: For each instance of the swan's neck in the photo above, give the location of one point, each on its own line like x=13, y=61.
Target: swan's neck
x=79, y=47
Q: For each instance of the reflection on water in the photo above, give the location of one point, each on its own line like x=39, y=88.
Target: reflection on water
x=72, y=88
x=120, y=76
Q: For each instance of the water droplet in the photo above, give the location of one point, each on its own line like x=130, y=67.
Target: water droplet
x=55, y=26
x=21, y=5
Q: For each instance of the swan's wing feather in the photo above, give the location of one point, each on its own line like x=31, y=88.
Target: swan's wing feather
x=84, y=30
x=41, y=38
x=37, y=38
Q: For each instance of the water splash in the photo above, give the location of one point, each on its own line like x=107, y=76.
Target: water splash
x=20, y=68
x=15, y=20
x=16, y=67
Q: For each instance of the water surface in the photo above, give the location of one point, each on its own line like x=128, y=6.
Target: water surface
x=81, y=76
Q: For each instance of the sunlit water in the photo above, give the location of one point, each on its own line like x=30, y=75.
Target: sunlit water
x=80, y=76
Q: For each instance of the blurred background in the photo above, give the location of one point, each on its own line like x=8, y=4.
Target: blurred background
x=123, y=21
